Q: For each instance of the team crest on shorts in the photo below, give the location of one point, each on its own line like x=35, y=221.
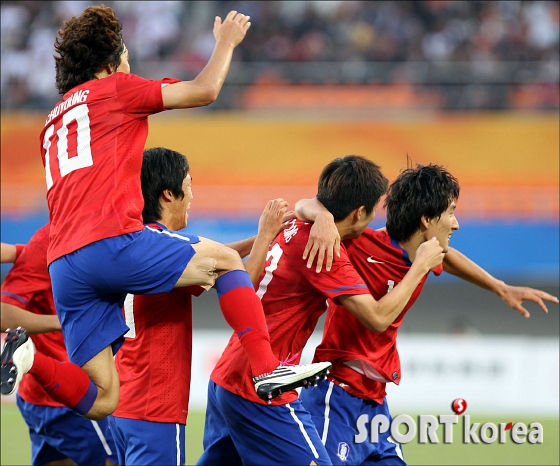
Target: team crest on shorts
x=343, y=451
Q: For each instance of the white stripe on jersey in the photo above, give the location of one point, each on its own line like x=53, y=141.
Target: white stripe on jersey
x=102, y=438
x=327, y=411
x=168, y=233
x=300, y=424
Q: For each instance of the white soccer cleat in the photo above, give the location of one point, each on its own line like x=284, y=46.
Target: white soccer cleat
x=285, y=378
x=17, y=358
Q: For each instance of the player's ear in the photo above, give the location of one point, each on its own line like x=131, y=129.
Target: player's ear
x=167, y=195
x=425, y=222
x=359, y=212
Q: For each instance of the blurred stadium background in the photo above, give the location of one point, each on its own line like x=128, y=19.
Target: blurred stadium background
x=470, y=85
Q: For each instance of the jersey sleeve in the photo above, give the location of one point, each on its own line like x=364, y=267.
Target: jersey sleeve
x=29, y=274
x=342, y=279
x=437, y=271
x=139, y=96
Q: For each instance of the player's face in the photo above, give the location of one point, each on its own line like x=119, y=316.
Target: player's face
x=180, y=206
x=443, y=227
x=124, y=66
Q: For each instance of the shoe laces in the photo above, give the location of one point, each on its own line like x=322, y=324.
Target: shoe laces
x=289, y=360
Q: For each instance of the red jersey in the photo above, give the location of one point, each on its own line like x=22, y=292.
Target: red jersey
x=365, y=361
x=28, y=286
x=154, y=363
x=92, y=146
x=293, y=298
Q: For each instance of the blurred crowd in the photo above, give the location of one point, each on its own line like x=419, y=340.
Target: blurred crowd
x=501, y=47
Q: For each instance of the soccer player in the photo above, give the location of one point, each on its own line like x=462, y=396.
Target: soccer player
x=154, y=363
x=57, y=433
x=99, y=250
x=239, y=427
x=420, y=205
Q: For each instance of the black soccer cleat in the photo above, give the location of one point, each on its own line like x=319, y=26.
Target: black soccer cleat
x=285, y=378
x=17, y=358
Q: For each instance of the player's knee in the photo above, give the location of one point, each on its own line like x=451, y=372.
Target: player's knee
x=105, y=405
x=229, y=260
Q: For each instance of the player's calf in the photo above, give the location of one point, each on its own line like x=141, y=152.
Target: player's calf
x=17, y=358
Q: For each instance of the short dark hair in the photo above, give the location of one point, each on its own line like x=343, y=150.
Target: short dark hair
x=85, y=44
x=426, y=190
x=350, y=182
x=161, y=169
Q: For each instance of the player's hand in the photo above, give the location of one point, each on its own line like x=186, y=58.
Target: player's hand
x=323, y=238
x=514, y=296
x=430, y=253
x=232, y=29
x=272, y=219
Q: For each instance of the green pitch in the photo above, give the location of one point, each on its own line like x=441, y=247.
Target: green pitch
x=15, y=445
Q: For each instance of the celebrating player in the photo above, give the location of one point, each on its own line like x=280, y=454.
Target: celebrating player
x=57, y=433
x=239, y=426
x=420, y=205
x=154, y=363
x=99, y=250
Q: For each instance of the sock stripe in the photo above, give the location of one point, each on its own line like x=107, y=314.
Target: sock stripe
x=232, y=280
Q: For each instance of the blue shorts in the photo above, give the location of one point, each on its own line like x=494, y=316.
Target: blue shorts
x=238, y=431
x=147, y=442
x=335, y=413
x=90, y=285
x=58, y=433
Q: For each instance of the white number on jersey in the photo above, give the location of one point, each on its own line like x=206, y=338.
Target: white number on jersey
x=276, y=253
x=67, y=163
x=390, y=285
x=129, y=316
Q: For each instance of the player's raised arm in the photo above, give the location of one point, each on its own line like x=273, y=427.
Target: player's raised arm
x=204, y=89
x=324, y=237
x=461, y=266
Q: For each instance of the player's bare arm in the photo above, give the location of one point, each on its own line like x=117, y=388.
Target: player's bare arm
x=324, y=237
x=378, y=315
x=12, y=317
x=8, y=253
x=204, y=89
x=271, y=223
x=461, y=266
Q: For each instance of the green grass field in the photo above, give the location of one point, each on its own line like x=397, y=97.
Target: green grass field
x=15, y=446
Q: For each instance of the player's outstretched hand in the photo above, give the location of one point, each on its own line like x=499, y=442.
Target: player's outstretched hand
x=323, y=238
x=430, y=253
x=514, y=296
x=273, y=217
x=232, y=29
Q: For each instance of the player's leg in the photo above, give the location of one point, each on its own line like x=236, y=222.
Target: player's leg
x=243, y=311
x=147, y=442
x=61, y=436
x=218, y=445
x=335, y=414
x=262, y=434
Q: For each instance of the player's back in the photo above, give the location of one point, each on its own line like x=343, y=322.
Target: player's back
x=92, y=146
x=293, y=298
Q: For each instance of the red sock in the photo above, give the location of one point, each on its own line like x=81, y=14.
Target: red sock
x=243, y=311
x=65, y=382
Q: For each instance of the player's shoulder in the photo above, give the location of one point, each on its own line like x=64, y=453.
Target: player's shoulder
x=296, y=233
